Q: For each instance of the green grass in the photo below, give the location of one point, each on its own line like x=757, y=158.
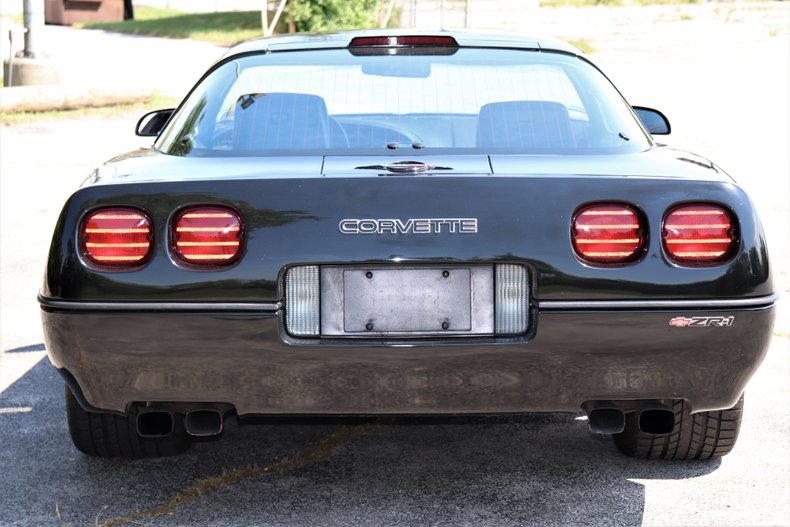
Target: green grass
x=219, y=28
x=154, y=103
x=584, y=46
x=14, y=19
x=224, y=27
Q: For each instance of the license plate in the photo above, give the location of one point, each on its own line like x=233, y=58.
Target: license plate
x=414, y=301
x=407, y=300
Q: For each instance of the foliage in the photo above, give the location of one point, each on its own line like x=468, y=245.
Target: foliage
x=327, y=15
x=219, y=28
x=583, y=46
x=234, y=27
x=136, y=109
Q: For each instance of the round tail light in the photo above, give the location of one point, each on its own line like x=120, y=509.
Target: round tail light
x=207, y=236
x=608, y=233
x=699, y=234
x=116, y=237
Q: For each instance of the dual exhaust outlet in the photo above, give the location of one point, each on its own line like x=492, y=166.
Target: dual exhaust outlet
x=157, y=422
x=602, y=419
x=652, y=419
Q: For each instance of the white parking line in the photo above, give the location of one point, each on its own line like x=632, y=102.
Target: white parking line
x=16, y=410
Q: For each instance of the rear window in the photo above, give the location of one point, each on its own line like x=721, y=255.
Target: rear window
x=333, y=102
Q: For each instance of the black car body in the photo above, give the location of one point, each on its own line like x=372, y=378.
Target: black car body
x=278, y=253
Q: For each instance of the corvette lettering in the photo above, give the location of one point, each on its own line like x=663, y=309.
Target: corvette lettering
x=409, y=226
x=684, y=322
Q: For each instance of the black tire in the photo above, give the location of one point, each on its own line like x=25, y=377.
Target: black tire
x=111, y=435
x=704, y=435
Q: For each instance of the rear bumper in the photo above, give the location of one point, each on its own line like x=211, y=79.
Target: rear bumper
x=124, y=353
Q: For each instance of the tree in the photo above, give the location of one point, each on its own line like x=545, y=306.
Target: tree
x=268, y=28
x=328, y=15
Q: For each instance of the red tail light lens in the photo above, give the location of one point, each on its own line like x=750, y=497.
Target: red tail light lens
x=608, y=233
x=208, y=236
x=699, y=234
x=117, y=237
x=406, y=40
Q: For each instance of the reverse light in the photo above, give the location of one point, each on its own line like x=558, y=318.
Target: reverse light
x=699, y=234
x=302, y=301
x=511, y=299
x=117, y=237
x=207, y=236
x=608, y=233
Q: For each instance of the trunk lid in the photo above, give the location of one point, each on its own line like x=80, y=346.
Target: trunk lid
x=295, y=214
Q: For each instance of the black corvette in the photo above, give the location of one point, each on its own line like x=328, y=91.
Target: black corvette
x=407, y=223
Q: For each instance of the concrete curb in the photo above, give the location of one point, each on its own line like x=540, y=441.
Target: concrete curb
x=60, y=97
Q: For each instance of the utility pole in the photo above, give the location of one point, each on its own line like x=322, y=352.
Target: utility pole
x=34, y=25
x=268, y=28
x=30, y=66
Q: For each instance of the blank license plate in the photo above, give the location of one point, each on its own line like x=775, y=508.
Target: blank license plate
x=407, y=300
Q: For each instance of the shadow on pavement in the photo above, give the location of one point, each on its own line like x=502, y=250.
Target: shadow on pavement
x=528, y=470
x=27, y=349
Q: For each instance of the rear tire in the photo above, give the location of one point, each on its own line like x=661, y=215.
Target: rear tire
x=112, y=435
x=704, y=435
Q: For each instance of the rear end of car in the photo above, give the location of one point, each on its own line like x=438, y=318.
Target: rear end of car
x=377, y=224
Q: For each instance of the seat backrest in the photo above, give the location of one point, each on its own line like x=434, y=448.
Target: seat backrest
x=280, y=121
x=524, y=124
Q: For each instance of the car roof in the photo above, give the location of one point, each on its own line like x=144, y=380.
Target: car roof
x=341, y=39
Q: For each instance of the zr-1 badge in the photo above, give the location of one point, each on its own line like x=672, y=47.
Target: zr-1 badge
x=684, y=322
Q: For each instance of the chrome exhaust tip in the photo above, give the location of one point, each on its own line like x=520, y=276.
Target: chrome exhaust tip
x=656, y=421
x=606, y=421
x=154, y=423
x=203, y=422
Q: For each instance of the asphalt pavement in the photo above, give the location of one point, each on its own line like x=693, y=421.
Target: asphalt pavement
x=721, y=77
